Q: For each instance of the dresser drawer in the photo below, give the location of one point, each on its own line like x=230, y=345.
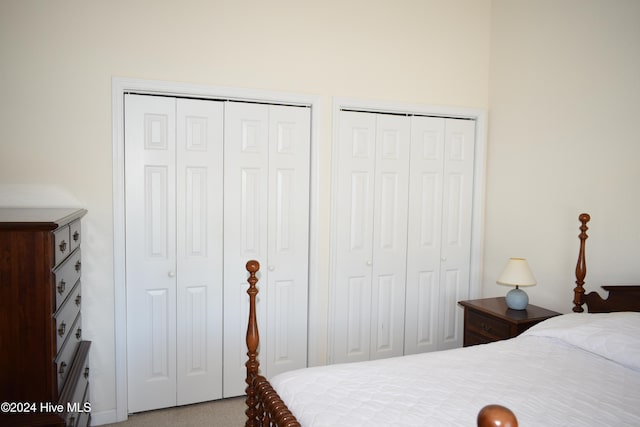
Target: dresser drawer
x=66, y=276
x=76, y=333
x=62, y=244
x=74, y=397
x=84, y=417
x=79, y=397
x=75, y=234
x=65, y=356
x=67, y=314
x=486, y=326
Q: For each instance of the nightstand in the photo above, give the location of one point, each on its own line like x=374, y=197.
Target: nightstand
x=489, y=319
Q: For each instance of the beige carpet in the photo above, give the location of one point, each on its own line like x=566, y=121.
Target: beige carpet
x=218, y=413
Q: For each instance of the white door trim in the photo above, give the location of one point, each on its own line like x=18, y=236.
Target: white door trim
x=121, y=85
x=477, y=219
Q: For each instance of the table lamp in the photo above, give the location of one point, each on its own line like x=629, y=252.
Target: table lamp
x=517, y=273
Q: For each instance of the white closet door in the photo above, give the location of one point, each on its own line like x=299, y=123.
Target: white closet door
x=425, y=234
x=371, y=230
x=439, y=243
x=353, y=247
x=456, y=228
x=199, y=250
x=266, y=215
x=288, y=239
x=246, y=180
x=173, y=160
x=151, y=251
x=389, y=235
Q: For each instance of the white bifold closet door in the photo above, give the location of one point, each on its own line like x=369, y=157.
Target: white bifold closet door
x=402, y=233
x=439, y=244
x=173, y=155
x=266, y=214
x=371, y=236
x=210, y=185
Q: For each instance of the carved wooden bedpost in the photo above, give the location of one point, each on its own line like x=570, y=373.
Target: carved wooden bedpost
x=264, y=406
x=253, y=339
x=581, y=267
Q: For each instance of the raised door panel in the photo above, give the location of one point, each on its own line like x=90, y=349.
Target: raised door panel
x=150, y=251
x=453, y=288
x=199, y=149
x=353, y=236
x=389, y=235
x=424, y=236
x=288, y=239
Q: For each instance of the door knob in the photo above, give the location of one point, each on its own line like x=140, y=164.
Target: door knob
x=171, y=274
x=271, y=268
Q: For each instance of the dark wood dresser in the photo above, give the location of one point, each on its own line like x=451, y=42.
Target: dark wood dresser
x=44, y=363
x=489, y=319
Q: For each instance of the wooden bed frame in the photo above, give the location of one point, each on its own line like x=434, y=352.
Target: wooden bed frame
x=266, y=409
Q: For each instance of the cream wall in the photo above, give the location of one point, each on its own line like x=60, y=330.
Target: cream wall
x=563, y=139
x=58, y=59
x=560, y=79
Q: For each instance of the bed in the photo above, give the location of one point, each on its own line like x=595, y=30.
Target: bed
x=576, y=369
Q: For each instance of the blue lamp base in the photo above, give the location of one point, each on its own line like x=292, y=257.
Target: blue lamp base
x=517, y=299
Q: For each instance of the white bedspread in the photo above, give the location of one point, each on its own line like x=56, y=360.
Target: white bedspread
x=549, y=376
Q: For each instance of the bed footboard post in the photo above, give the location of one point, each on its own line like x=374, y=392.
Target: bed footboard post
x=253, y=339
x=581, y=267
x=496, y=416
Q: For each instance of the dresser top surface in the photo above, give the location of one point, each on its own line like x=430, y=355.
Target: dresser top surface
x=40, y=218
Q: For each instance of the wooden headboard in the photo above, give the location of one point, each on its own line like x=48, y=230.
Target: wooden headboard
x=620, y=298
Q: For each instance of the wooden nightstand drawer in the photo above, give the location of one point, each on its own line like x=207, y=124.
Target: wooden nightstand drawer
x=487, y=320
x=487, y=326
x=471, y=338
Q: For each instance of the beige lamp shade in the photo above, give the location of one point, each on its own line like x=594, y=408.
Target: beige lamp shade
x=517, y=273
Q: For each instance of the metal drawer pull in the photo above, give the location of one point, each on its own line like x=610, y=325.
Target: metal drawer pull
x=79, y=333
x=63, y=246
x=78, y=265
x=485, y=327
x=61, y=286
x=63, y=365
x=76, y=236
x=62, y=329
x=78, y=299
x=86, y=372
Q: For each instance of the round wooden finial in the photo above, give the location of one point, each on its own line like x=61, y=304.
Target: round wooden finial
x=253, y=266
x=496, y=416
x=584, y=218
